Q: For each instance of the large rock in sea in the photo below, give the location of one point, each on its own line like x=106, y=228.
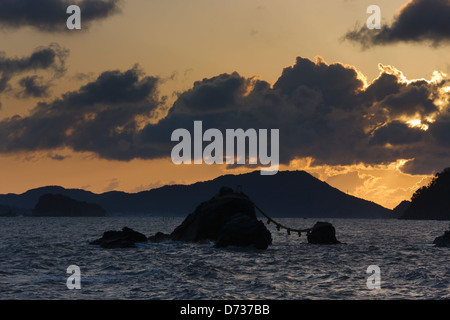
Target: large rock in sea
x=443, y=241
x=127, y=238
x=58, y=205
x=322, y=233
x=228, y=219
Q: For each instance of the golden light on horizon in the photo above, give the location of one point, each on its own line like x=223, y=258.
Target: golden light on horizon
x=385, y=184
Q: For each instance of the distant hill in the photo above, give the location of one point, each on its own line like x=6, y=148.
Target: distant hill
x=400, y=209
x=286, y=194
x=57, y=205
x=431, y=202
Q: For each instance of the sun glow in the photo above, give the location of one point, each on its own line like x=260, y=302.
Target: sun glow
x=417, y=123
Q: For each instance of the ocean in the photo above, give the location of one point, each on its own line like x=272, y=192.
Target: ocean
x=36, y=252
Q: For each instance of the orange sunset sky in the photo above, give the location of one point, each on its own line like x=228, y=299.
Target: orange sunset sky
x=181, y=55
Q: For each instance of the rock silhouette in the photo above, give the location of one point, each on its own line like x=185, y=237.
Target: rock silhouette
x=57, y=205
x=159, y=237
x=322, y=233
x=127, y=238
x=228, y=219
x=444, y=240
x=244, y=231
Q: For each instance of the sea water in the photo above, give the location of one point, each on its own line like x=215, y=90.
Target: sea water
x=36, y=252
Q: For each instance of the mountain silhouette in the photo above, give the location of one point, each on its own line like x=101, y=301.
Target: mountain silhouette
x=286, y=194
x=431, y=202
x=400, y=209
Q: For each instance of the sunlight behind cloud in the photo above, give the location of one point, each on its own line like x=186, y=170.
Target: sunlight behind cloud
x=384, y=184
x=417, y=123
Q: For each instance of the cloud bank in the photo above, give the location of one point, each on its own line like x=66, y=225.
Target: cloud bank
x=51, y=59
x=325, y=111
x=33, y=86
x=50, y=15
x=101, y=117
x=417, y=21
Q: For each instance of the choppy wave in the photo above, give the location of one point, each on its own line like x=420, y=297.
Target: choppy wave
x=35, y=254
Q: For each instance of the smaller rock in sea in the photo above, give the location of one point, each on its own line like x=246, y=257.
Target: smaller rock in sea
x=443, y=241
x=322, y=233
x=159, y=237
x=127, y=238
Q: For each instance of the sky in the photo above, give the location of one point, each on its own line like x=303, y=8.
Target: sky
x=365, y=110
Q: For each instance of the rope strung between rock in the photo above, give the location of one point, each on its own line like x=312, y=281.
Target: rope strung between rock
x=278, y=225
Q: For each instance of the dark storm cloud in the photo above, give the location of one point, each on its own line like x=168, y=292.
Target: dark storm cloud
x=41, y=58
x=441, y=130
x=418, y=21
x=51, y=58
x=33, y=86
x=50, y=15
x=397, y=133
x=99, y=117
x=324, y=111
x=410, y=101
x=384, y=86
x=218, y=92
x=337, y=84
